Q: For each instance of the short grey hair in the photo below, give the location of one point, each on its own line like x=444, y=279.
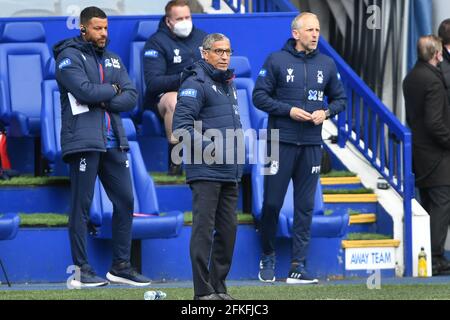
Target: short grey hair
x=427, y=46
x=296, y=23
x=209, y=40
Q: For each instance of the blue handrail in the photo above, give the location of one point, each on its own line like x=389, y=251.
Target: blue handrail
x=369, y=125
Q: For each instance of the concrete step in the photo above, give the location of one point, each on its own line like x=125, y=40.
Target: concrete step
x=365, y=218
x=341, y=183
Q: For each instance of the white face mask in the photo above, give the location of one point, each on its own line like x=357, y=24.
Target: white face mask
x=183, y=28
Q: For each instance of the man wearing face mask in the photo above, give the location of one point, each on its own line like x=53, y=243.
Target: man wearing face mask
x=175, y=46
x=95, y=88
x=428, y=116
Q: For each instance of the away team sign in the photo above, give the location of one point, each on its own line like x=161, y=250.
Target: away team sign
x=369, y=258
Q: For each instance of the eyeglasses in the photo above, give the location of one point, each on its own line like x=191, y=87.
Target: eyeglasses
x=221, y=52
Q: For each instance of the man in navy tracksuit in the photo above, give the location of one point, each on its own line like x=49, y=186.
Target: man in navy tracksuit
x=175, y=46
x=291, y=88
x=95, y=88
x=206, y=111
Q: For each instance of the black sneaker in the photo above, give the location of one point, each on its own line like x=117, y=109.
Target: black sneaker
x=225, y=296
x=175, y=170
x=212, y=296
x=125, y=274
x=298, y=275
x=267, y=268
x=87, y=279
x=440, y=266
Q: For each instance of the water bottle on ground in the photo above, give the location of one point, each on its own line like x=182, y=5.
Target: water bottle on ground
x=422, y=267
x=154, y=295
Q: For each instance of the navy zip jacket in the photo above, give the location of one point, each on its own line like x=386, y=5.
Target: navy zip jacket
x=165, y=57
x=78, y=72
x=293, y=79
x=209, y=95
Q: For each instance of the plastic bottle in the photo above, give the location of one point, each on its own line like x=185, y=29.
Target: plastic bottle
x=422, y=267
x=154, y=295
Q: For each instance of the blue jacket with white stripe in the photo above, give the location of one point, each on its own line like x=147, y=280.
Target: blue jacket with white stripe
x=294, y=79
x=207, y=111
x=165, y=57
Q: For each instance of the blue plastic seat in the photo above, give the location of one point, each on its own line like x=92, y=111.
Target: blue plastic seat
x=51, y=122
x=23, y=55
x=9, y=225
x=148, y=222
x=250, y=116
x=244, y=82
x=151, y=125
x=323, y=226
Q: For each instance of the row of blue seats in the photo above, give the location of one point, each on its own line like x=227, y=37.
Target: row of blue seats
x=148, y=222
x=25, y=42
x=24, y=54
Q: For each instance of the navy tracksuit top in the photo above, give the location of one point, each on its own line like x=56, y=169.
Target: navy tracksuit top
x=209, y=95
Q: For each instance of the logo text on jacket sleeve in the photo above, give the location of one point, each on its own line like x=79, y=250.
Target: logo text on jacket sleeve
x=151, y=54
x=65, y=63
x=188, y=93
x=263, y=73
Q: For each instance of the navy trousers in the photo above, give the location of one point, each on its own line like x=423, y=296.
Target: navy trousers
x=302, y=165
x=112, y=169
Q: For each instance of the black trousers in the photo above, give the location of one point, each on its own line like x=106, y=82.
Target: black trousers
x=302, y=165
x=112, y=169
x=213, y=236
x=436, y=201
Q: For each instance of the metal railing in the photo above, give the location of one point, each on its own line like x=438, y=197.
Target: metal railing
x=383, y=140
x=367, y=124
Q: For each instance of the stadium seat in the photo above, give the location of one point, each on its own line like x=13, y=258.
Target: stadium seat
x=148, y=222
x=23, y=54
x=323, y=226
x=51, y=122
x=151, y=125
x=249, y=115
x=9, y=225
x=243, y=81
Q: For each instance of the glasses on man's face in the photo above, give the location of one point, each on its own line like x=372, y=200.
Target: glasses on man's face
x=221, y=52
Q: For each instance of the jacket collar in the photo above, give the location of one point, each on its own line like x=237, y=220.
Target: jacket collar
x=290, y=47
x=434, y=69
x=201, y=69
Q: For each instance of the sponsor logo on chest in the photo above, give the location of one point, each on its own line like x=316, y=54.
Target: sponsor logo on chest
x=112, y=63
x=290, y=76
x=176, y=57
x=320, y=77
x=315, y=95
